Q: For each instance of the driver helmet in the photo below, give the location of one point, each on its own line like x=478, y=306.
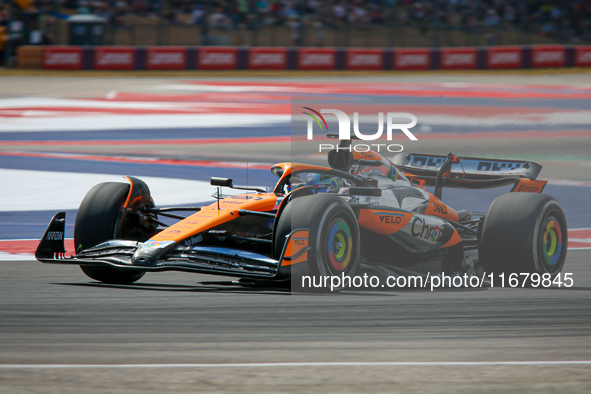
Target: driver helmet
x=292, y=184
x=330, y=184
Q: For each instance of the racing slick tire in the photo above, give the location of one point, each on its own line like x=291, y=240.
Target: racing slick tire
x=96, y=221
x=333, y=237
x=524, y=233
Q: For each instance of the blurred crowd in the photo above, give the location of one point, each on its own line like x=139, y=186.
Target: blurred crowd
x=566, y=20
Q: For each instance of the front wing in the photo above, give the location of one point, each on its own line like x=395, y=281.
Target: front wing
x=119, y=253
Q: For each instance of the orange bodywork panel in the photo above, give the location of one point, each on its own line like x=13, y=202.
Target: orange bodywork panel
x=129, y=203
x=210, y=216
x=454, y=240
x=436, y=207
x=416, y=181
x=529, y=186
x=296, y=250
x=383, y=221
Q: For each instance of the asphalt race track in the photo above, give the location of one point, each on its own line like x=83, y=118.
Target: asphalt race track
x=54, y=315
x=175, y=332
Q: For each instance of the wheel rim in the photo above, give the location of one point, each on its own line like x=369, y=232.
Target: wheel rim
x=552, y=242
x=339, y=245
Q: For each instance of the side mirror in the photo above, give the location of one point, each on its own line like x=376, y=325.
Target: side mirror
x=228, y=182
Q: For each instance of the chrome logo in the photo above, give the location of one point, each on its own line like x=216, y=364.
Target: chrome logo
x=435, y=234
x=425, y=231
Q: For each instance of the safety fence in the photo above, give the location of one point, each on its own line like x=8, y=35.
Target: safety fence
x=272, y=58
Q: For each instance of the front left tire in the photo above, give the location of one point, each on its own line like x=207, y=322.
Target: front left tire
x=333, y=237
x=97, y=221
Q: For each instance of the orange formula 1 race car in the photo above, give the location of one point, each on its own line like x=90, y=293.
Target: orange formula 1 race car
x=361, y=212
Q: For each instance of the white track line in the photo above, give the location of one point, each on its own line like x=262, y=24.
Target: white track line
x=301, y=364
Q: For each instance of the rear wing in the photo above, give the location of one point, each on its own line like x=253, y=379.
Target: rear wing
x=472, y=172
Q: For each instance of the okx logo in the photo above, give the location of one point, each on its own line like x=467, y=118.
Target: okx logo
x=393, y=122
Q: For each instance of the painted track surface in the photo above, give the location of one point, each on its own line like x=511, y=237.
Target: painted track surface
x=114, y=132
x=55, y=315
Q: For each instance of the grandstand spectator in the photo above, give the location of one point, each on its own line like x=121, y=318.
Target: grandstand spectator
x=197, y=15
x=552, y=19
x=318, y=33
x=492, y=19
x=340, y=11
x=3, y=40
x=219, y=20
x=296, y=31
x=3, y=15
x=509, y=15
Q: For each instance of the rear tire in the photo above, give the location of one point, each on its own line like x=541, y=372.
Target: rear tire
x=96, y=222
x=524, y=232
